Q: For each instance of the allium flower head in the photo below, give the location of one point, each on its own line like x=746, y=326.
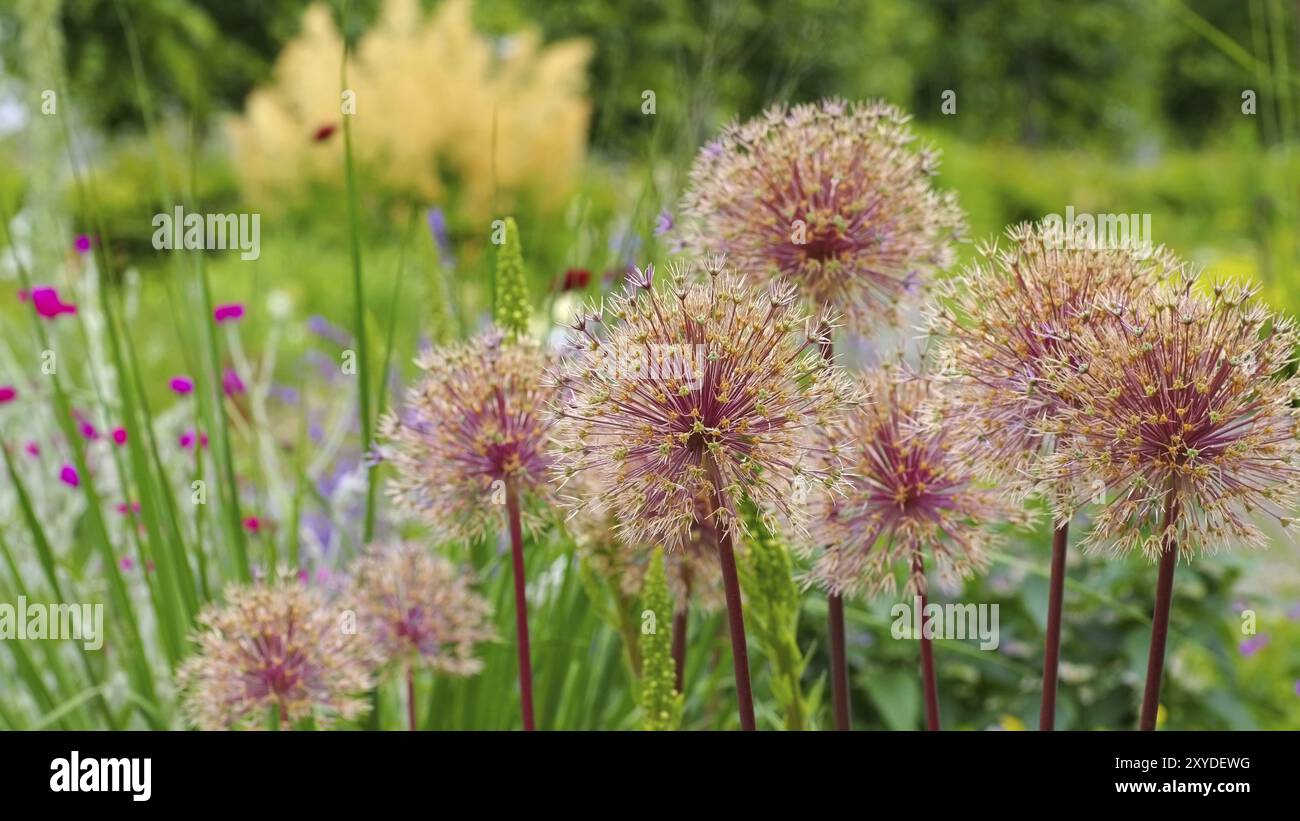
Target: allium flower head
x=273, y=649
x=1011, y=314
x=415, y=606
x=832, y=196
x=910, y=495
x=1186, y=391
x=472, y=423
x=673, y=391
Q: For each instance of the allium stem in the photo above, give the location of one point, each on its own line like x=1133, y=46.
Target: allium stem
x=839, y=662
x=410, y=697
x=1052, y=654
x=1160, y=618
x=835, y=623
x=735, y=615
x=736, y=622
x=521, y=604
x=681, y=616
x=927, y=657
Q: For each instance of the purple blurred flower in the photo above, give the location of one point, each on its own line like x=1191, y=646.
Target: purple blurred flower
x=1253, y=645
x=182, y=385
x=82, y=243
x=325, y=329
x=438, y=228
x=663, y=223
x=286, y=394
x=68, y=476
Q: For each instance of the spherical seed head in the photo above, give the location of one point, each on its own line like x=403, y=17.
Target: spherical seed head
x=1189, y=392
x=1000, y=324
x=274, y=649
x=909, y=494
x=470, y=425
x=675, y=390
x=832, y=196
x=417, y=608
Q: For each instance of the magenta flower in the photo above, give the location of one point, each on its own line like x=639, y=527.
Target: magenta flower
x=82, y=244
x=182, y=385
x=68, y=475
x=126, y=563
x=88, y=430
x=33, y=450
x=253, y=524
x=47, y=302
x=231, y=384
x=228, y=313
x=189, y=437
x=7, y=393
x=119, y=436
x=125, y=508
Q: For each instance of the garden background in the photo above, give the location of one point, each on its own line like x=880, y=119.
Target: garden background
x=579, y=120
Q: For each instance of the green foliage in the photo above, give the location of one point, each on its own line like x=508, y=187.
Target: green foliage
x=513, y=308
x=661, y=704
x=772, y=617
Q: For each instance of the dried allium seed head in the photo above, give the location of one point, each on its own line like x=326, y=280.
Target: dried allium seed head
x=1011, y=313
x=673, y=390
x=277, y=649
x=471, y=424
x=833, y=197
x=1191, y=393
x=909, y=494
x=416, y=607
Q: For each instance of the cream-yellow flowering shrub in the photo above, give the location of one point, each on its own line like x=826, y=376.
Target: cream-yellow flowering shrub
x=435, y=101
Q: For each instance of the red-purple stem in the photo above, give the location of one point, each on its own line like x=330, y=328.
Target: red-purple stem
x=680, y=617
x=839, y=663
x=735, y=615
x=521, y=605
x=1052, y=654
x=410, y=697
x=927, y=654
x=835, y=624
x=1160, y=618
